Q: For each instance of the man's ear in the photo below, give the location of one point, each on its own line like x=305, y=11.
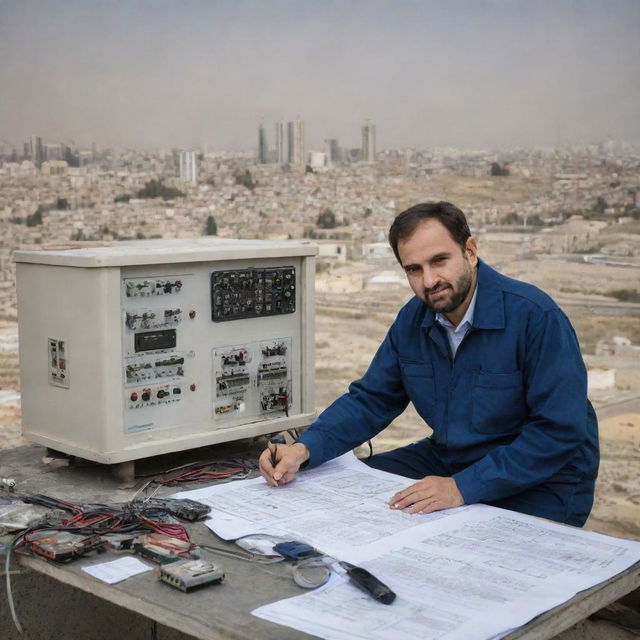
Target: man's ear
x=471, y=249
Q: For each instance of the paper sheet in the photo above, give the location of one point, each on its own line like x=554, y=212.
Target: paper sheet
x=470, y=573
x=340, y=508
x=469, y=577
x=117, y=570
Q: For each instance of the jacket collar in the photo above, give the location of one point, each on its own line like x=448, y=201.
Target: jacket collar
x=489, y=311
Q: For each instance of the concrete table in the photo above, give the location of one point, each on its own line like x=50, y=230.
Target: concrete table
x=62, y=601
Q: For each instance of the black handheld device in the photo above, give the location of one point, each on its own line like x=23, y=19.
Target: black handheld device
x=369, y=583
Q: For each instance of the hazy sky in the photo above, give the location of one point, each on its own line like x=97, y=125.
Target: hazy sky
x=189, y=73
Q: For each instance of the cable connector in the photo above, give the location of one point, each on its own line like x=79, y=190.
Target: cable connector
x=9, y=484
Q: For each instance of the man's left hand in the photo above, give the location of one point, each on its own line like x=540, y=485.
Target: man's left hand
x=427, y=495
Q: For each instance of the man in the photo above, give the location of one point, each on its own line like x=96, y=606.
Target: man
x=491, y=364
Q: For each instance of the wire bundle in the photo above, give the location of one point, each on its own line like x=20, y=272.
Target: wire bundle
x=94, y=519
x=206, y=471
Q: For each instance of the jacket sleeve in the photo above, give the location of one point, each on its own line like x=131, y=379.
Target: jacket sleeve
x=370, y=404
x=557, y=424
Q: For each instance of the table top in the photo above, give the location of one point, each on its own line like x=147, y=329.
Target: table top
x=221, y=610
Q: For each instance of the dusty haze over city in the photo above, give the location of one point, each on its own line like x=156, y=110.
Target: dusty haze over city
x=472, y=73
x=524, y=113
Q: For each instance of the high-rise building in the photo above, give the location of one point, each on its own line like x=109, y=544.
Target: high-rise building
x=263, y=150
x=295, y=134
x=188, y=167
x=368, y=153
x=36, y=151
x=53, y=152
x=282, y=148
x=332, y=149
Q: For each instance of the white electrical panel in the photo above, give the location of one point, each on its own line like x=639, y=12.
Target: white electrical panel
x=142, y=348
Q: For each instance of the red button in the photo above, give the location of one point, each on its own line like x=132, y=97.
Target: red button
x=134, y=396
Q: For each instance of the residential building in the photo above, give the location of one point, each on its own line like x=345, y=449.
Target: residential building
x=368, y=153
x=295, y=141
x=188, y=167
x=263, y=149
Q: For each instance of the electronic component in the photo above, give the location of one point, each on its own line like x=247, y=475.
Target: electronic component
x=120, y=541
x=181, y=507
x=152, y=340
x=8, y=483
x=188, y=575
x=63, y=546
x=295, y=550
x=160, y=548
x=250, y=293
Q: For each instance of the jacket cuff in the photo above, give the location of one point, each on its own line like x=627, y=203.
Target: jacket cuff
x=313, y=442
x=469, y=485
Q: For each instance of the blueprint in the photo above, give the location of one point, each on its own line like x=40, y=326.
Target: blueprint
x=470, y=573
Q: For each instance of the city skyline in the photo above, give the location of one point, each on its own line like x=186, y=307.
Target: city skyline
x=193, y=75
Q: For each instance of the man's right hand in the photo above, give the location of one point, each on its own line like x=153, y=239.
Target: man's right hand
x=289, y=458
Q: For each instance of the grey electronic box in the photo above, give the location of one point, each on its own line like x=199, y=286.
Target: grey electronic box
x=148, y=347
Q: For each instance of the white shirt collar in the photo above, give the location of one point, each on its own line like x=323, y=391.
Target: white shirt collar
x=467, y=318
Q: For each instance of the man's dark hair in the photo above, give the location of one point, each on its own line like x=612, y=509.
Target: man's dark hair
x=446, y=213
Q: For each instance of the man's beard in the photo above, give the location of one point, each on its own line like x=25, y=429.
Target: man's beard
x=460, y=290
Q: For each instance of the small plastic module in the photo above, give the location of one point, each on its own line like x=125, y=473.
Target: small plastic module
x=188, y=575
x=62, y=546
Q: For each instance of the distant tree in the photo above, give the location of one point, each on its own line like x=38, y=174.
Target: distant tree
x=36, y=218
x=123, y=197
x=497, y=170
x=308, y=169
x=309, y=232
x=156, y=189
x=600, y=205
x=78, y=235
x=511, y=218
x=245, y=179
x=327, y=220
x=62, y=204
x=367, y=212
x=625, y=295
x=535, y=221
x=211, y=227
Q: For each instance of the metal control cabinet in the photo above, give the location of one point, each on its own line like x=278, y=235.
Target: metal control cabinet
x=143, y=348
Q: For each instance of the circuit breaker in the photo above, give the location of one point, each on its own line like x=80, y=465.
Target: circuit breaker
x=148, y=347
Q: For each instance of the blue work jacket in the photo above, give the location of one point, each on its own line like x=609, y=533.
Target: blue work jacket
x=508, y=413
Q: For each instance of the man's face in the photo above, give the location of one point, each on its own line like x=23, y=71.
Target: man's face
x=440, y=273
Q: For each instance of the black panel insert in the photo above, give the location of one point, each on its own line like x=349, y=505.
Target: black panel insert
x=252, y=293
x=152, y=340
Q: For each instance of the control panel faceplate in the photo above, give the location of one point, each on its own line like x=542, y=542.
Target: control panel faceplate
x=251, y=293
x=174, y=329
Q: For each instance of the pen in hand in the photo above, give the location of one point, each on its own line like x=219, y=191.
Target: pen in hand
x=273, y=450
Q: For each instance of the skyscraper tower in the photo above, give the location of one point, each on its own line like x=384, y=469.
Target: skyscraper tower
x=36, y=151
x=263, y=150
x=368, y=141
x=332, y=149
x=188, y=167
x=282, y=149
x=295, y=131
